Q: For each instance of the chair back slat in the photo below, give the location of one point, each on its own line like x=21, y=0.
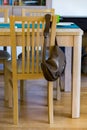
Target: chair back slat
x=23, y=47
x=37, y=49
x=32, y=49
x=32, y=35
x=28, y=49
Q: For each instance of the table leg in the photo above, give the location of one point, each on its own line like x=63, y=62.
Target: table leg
x=68, y=53
x=76, y=76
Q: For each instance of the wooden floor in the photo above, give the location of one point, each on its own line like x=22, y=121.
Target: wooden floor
x=33, y=110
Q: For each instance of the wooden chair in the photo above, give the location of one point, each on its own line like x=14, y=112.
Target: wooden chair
x=29, y=66
x=4, y=55
x=37, y=12
x=41, y=12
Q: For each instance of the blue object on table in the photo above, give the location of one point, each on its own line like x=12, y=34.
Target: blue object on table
x=19, y=25
x=4, y=25
x=68, y=26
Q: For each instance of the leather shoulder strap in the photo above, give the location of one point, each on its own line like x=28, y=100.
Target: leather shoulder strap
x=47, y=26
x=46, y=35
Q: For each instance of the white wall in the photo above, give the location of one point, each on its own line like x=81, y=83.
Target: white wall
x=70, y=7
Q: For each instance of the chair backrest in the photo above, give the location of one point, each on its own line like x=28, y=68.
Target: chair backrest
x=4, y=14
x=31, y=36
x=37, y=12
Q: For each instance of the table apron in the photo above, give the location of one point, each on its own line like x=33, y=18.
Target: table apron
x=65, y=41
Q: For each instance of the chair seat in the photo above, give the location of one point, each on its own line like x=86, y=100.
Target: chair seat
x=4, y=55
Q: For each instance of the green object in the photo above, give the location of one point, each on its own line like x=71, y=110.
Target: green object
x=57, y=18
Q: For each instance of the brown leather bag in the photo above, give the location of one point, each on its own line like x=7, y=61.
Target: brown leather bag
x=54, y=66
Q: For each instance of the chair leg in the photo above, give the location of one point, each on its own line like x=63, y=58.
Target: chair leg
x=15, y=101
x=5, y=82
x=62, y=82
x=58, y=90
x=8, y=86
x=13, y=96
x=10, y=94
x=50, y=102
x=22, y=90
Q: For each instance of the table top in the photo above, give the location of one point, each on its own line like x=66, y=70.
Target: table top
x=62, y=28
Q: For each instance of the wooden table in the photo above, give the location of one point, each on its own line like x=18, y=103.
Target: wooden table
x=66, y=38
